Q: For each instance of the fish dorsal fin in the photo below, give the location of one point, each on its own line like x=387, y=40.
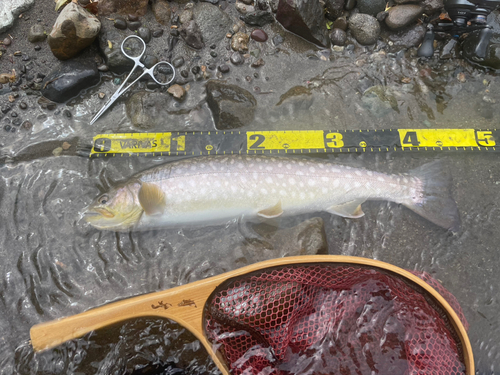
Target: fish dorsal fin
x=351, y=209
x=151, y=198
x=271, y=212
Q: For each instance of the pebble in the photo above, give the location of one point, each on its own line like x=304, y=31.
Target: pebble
x=174, y=32
x=103, y=68
x=184, y=73
x=157, y=33
x=16, y=121
x=133, y=17
x=277, y=39
x=152, y=85
x=338, y=37
x=5, y=109
x=213, y=46
x=144, y=33
x=213, y=54
x=7, y=42
x=195, y=69
x=7, y=128
x=212, y=67
x=23, y=105
x=13, y=114
x=239, y=41
x=38, y=48
x=117, y=81
x=101, y=95
x=67, y=113
x=120, y=23
x=258, y=63
x=236, y=58
x=259, y=35
x=178, y=61
x=27, y=125
x=461, y=77
x=177, y=91
x=66, y=145
x=134, y=25
x=36, y=34
x=223, y=68
x=57, y=151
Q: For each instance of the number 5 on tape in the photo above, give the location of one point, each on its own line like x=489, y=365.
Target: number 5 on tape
x=424, y=138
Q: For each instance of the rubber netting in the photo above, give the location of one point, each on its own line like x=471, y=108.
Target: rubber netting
x=332, y=319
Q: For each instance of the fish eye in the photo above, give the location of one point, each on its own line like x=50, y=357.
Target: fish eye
x=103, y=199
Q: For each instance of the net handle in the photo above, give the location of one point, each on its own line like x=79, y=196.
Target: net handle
x=185, y=303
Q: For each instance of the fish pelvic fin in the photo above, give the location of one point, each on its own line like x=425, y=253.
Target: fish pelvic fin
x=351, y=209
x=271, y=212
x=434, y=201
x=151, y=199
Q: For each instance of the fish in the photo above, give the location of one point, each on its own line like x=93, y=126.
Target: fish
x=216, y=189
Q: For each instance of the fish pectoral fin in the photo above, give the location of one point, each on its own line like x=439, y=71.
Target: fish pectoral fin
x=351, y=209
x=152, y=199
x=271, y=212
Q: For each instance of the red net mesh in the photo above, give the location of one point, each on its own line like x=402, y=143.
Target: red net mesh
x=325, y=319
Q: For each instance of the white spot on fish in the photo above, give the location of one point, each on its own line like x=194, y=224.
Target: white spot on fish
x=263, y=191
x=358, y=173
x=193, y=167
x=269, y=168
x=269, y=180
x=335, y=170
x=255, y=175
x=312, y=169
x=324, y=190
x=281, y=175
x=302, y=195
x=347, y=186
x=311, y=194
x=280, y=165
x=311, y=182
x=336, y=183
x=301, y=163
x=301, y=184
x=261, y=167
x=282, y=192
x=325, y=179
x=243, y=179
x=380, y=178
x=405, y=180
x=241, y=165
x=300, y=173
x=348, y=168
x=322, y=166
x=294, y=194
x=291, y=180
x=288, y=166
x=232, y=161
x=369, y=173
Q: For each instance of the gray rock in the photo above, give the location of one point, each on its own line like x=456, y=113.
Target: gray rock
x=371, y=7
x=338, y=37
x=136, y=7
x=144, y=109
x=74, y=30
x=10, y=9
x=431, y=6
x=236, y=58
x=69, y=79
x=191, y=34
x=186, y=16
x=340, y=23
x=144, y=33
x=37, y=34
x=232, y=107
x=408, y=37
x=304, y=18
x=492, y=59
x=449, y=50
x=113, y=57
x=335, y=8
x=162, y=12
x=213, y=22
x=402, y=15
x=258, y=18
x=274, y=5
x=364, y=28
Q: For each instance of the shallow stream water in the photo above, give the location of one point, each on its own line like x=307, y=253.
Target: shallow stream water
x=54, y=264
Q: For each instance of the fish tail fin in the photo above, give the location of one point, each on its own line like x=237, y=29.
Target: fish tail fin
x=434, y=201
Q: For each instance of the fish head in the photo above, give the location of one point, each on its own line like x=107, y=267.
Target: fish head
x=117, y=210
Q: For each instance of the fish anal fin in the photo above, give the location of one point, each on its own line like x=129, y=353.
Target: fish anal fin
x=351, y=209
x=152, y=199
x=271, y=212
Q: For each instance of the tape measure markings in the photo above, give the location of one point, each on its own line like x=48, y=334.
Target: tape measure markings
x=310, y=141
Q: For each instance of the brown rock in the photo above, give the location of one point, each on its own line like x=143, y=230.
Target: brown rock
x=74, y=30
x=177, y=91
x=162, y=12
x=136, y=7
x=239, y=42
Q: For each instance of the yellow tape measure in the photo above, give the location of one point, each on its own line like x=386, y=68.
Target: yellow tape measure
x=293, y=141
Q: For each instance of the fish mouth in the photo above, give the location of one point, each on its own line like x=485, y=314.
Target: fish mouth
x=97, y=212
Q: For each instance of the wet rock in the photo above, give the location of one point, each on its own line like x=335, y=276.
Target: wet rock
x=186, y=16
x=191, y=34
x=371, y=7
x=213, y=22
x=10, y=9
x=144, y=109
x=258, y=18
x=37, y=34
x=113, y=57
x=134, y=25
x=298, y=97
x=239, y=42
x=236, y=58
x=232, y=106
x=162, y=12
x=223, y=68
x=158, y=33
x=304, y=18
x=120, y=23
x=431, y=6
x=449, y=50
x=258, y=35
x=74, y=30
x=144, y=33
x=177, y=91
x=125, y=7
x=402, y=15
x=178, y=61
x=277, y=40
x=243, y=8
x=364, y=28
x=340, y=23
x=45, y=103
x=67, y=80
x=334, y=8
x=258, y=63
x=382, y=16
x=380, y=100
x=338, y=37
x=408, y=37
